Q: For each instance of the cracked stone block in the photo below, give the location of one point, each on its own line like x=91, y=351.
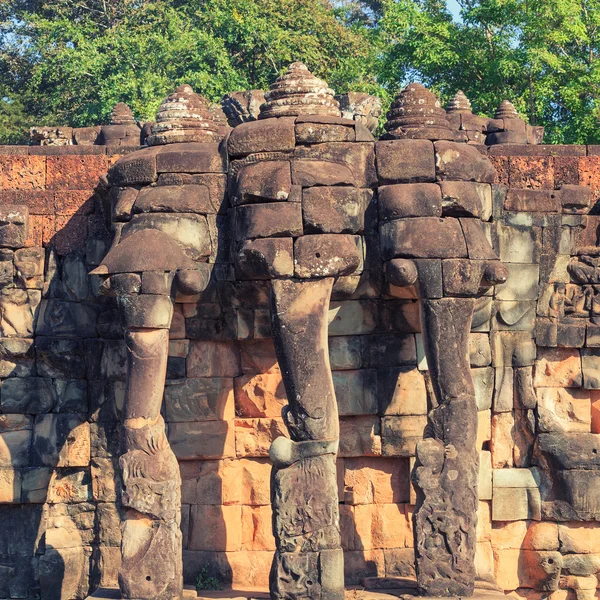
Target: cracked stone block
x=562, y=409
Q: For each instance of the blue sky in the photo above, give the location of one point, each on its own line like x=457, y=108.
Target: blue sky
x=454, y=9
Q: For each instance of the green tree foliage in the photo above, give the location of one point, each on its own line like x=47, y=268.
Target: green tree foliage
x=69, y=61
x=541, y=54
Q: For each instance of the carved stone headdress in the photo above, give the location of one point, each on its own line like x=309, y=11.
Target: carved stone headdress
x=299, y=92
x=121, y=115
x=183, y=117
x=417, y=113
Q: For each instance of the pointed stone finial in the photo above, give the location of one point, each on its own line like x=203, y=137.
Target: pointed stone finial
x=417, y=113
x=459, y=104
x=183, y=117
x=121, y=115
x=506, y=110
x=299, y=92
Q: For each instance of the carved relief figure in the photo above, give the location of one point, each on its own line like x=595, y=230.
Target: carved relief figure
x=161, y=248
x=434, y=194
x=300, y=176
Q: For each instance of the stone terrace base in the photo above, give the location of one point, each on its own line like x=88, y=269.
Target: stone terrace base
x=373, y=589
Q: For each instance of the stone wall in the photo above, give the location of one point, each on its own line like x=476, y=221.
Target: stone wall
x=62, y=368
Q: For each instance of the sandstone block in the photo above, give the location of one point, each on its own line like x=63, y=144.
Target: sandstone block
x=210, y=482
x=13, y=226
x=203, y=399
x=61, y=440
x=326, y=255
x=522, y=283
x=308, y=173
x=356, y=392
x=34, y=484
x=360, y=564
x=265, y=258
x=466, y=199
x=360, y=436
x=208, y=358
x=215, y=528
x=272, y=135
x=402, y=392
x=423, y=237
x=267, y=180
x=526, y=200
x=402, y=161
x=376, y=481
x=172, y=198
x=260, y=395
x=69, y=486
x=558, y=367
x=257, y=529
x=337, y=209
x=502, y=442
x=194, y=157
x=359, y=158
x=345, y=353
x=401, y=434
x=202, y=440
x=253, y=437
x=562, y=409
x=579, y=538
x=461, y=162
x=189, y=230
x=590, y=366
x=352, y=317
x=484, y=485
x=268, y=220
x=255, y=480
x=258, y=356
x=483, y=380
x=318, y=133
x=135, y=168
x=10, y=486
x=409, y=200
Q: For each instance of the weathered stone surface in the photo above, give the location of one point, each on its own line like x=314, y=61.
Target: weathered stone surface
x=14, y=220
x=402, y=391
x=135, y=168
x=267, y=180
x=317, y=133
x=423, y=237
x=405, y=161
x=61, y=440
x=466, y=199
x=206, y=399
x=193, y=157
x=170, y=198
x=409, y=200
x=202, y=440
x=525, y=200
x=268, y=220
x=261, y=395
x=272, y=135
x=325, y=255
x=359, y=158
x=308, y=173
x=558, y=367
x=335, y=209
x=563, y=410
x=189, y=230
x=400, y=435
x=461, y=162
x=455, y=424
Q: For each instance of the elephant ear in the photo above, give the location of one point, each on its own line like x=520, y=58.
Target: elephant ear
x=145, y=250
